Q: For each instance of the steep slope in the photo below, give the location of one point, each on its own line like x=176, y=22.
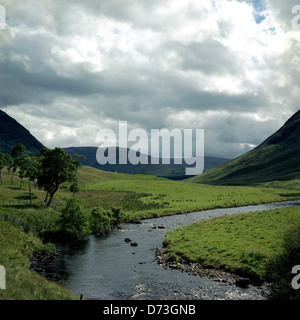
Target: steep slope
x=12, y=132
x=277, y=158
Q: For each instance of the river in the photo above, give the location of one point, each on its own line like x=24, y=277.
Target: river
x=108, y=268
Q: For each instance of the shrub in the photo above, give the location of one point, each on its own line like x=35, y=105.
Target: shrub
x=117, y=215
x=101, y=220
x=73, y=224
x=279, y=268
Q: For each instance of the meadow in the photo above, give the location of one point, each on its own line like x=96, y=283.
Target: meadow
x=153, y=197
x=139, y=197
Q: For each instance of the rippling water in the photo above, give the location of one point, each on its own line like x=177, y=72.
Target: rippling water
x=108, y=268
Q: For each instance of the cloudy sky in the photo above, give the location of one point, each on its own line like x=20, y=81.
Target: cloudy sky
x=70, y=68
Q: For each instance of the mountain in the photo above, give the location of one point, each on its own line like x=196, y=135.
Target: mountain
x=277, y=158
x=171, y=171
x=12, y=132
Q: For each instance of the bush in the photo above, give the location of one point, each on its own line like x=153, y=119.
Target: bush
x=73, y=224
x=117, y=215
x=102, y=220
x=279, y=268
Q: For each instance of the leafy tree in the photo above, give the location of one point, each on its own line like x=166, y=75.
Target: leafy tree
x=74, y=188
x=57, y=167
x=5, y=161
x=30, y=167
x=73, y=224
x=17, y=152
x=77, y=160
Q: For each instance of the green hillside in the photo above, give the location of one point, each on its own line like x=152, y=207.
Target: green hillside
x=276, y=159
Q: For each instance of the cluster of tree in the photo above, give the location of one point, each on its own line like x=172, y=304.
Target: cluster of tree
x=74, y=225
x=48, y=171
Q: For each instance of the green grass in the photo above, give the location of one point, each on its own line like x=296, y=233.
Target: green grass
x=139, y=196
x=16, y=249
x=157, y=196
x=290, y=184
x=241, y=243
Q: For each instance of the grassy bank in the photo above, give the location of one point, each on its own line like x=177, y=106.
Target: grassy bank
x=241, y=244
x=17, y=248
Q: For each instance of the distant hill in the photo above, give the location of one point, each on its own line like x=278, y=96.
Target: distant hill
x=12, y=132
x=171, y=171
x=277, y=158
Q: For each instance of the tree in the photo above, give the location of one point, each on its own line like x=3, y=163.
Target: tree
x=77, y=160
x=73, y=224
x=5, y=161
x=17, y=152
x=30, y=169
x=74, y=188
x=57, y=167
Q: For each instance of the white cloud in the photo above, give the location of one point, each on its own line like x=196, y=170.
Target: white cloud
x=68, y=69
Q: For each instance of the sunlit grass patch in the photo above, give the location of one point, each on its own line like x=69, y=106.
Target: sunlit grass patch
x=240, y=243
